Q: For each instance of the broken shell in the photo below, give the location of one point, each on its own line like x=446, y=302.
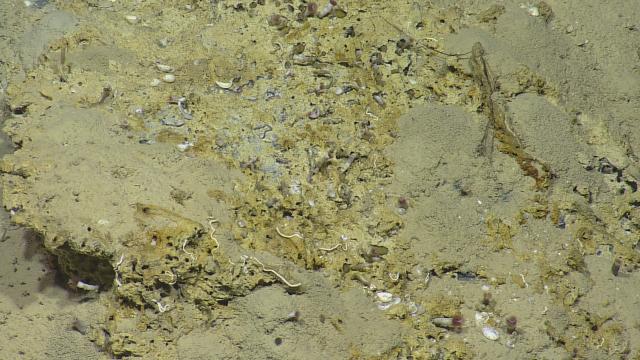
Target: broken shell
x=87, y=287
x=155, y=82
x=164, y=68
x=533, y=10
x=172, y=121
x=132, y=19
x=224, y=85
x=169, y=78
x=384, y=296
x=481, y=318
x=385, y=305
x=490, y=333
x=443, y=322
x=185, y=146
x=326, y=10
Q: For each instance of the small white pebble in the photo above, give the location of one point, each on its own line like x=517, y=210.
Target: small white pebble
x=155, y=82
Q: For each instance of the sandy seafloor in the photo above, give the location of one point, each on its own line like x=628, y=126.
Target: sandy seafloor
x=290, y=180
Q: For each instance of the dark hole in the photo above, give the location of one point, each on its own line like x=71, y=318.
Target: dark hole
x=20, y=110
x=278, y=341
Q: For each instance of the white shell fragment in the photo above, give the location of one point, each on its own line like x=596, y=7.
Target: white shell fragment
x=490, y=333
x=386, y=300
x=88, y=287
x=384, y=296
x=185, y=146
x=155, y=82
x=481, y=318
x=443, y=322
x=132, y=19
x=224, y=85
x=385, y=305
x=164, y=68
x=169, y=78
x=533, y=10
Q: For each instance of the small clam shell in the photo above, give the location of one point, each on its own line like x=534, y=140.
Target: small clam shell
x=490, y=333
x=169, y=78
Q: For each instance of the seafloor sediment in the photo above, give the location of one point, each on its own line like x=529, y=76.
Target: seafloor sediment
x=331, y=180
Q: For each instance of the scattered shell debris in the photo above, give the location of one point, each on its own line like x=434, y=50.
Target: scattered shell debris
x=299, y=122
